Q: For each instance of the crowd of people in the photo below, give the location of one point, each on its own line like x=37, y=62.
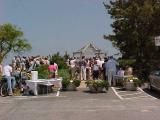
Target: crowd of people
x=24, y=64
x=81, y=68
x=97, y=68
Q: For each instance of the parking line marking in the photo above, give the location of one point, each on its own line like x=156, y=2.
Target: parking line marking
x=147, y=94
x=138, y=97
x=132, y=94
x=122, y=97
x=121, y=91
x=116, y=93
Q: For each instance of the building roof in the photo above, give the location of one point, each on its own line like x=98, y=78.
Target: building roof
x=89, y=46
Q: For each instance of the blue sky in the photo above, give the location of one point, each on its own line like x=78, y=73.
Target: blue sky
x=59, y=25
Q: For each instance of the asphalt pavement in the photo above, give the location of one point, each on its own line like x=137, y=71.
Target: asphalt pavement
x=82, y=105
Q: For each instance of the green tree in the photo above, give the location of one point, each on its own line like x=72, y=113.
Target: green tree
x=135, y=24
x=11, y=40
x=59, y=60
x=66, y=56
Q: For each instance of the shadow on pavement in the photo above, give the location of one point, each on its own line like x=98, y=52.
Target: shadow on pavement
x=153, y=93
x=88, y=91
x=120, y=88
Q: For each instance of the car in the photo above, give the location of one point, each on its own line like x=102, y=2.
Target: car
x=154, y=78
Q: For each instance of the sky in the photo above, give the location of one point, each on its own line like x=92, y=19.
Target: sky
x=59, y=25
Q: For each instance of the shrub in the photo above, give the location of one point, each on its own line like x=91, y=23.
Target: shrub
x=64, y=73
x=126, y=62
x=43, y=72
x=76, y=83
x=65, y=83
x=61, y=62
x=98, y=83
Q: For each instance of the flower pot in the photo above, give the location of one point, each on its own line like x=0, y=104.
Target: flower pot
x=95, y=90
x=130, y=86
x=71, y=87
x=92, y=89
x=100, y=89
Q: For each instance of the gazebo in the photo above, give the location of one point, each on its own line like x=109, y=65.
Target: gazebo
x=89, y=50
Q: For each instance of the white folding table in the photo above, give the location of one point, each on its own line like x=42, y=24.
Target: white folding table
x=32, y=84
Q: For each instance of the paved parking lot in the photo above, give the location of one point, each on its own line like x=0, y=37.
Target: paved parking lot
x=82, y=105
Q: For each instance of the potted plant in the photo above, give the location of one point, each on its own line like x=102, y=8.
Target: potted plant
x=67, y=82
x=70, y=85
x=73, y=84
x=131, y=83
x=97, y=86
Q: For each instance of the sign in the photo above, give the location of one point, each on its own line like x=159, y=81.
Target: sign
x=157, y=41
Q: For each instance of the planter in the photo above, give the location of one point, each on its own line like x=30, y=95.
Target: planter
x=92, y=89
x=100, y=89
x=97, y=86
x=71, y=87
x=130, y=86
x=95, y=90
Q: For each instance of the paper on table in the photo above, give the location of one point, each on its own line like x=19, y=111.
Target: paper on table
x=34, y=75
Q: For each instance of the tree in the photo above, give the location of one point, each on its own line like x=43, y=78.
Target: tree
x=59, y=60
x=11, y=40
x=66, y=56
x=136, y=23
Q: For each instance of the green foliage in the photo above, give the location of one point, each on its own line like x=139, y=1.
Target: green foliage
x=97, y=83
x=136, y=23
x=60, y=61
x=126, y=62
x=43, y=72
x=65, y=83
x=64, y=73
x=133, y=79
x=66, y=56
x=76, y=83
x=11, y=39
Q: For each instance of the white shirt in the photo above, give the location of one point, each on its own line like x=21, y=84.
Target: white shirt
x=7, y=70
x=95, y=67
x=72, y=62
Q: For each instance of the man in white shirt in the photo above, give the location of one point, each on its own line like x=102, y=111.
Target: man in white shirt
x=7, y=71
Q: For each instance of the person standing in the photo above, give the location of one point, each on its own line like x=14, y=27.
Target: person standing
x=7, y=73
x=111, y=68
x=104, y=69
x=72, y=67
x=95, y=71
x=52, y=69
x=83, y=65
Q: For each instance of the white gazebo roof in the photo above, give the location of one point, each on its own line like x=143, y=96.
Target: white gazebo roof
x=88, y=50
